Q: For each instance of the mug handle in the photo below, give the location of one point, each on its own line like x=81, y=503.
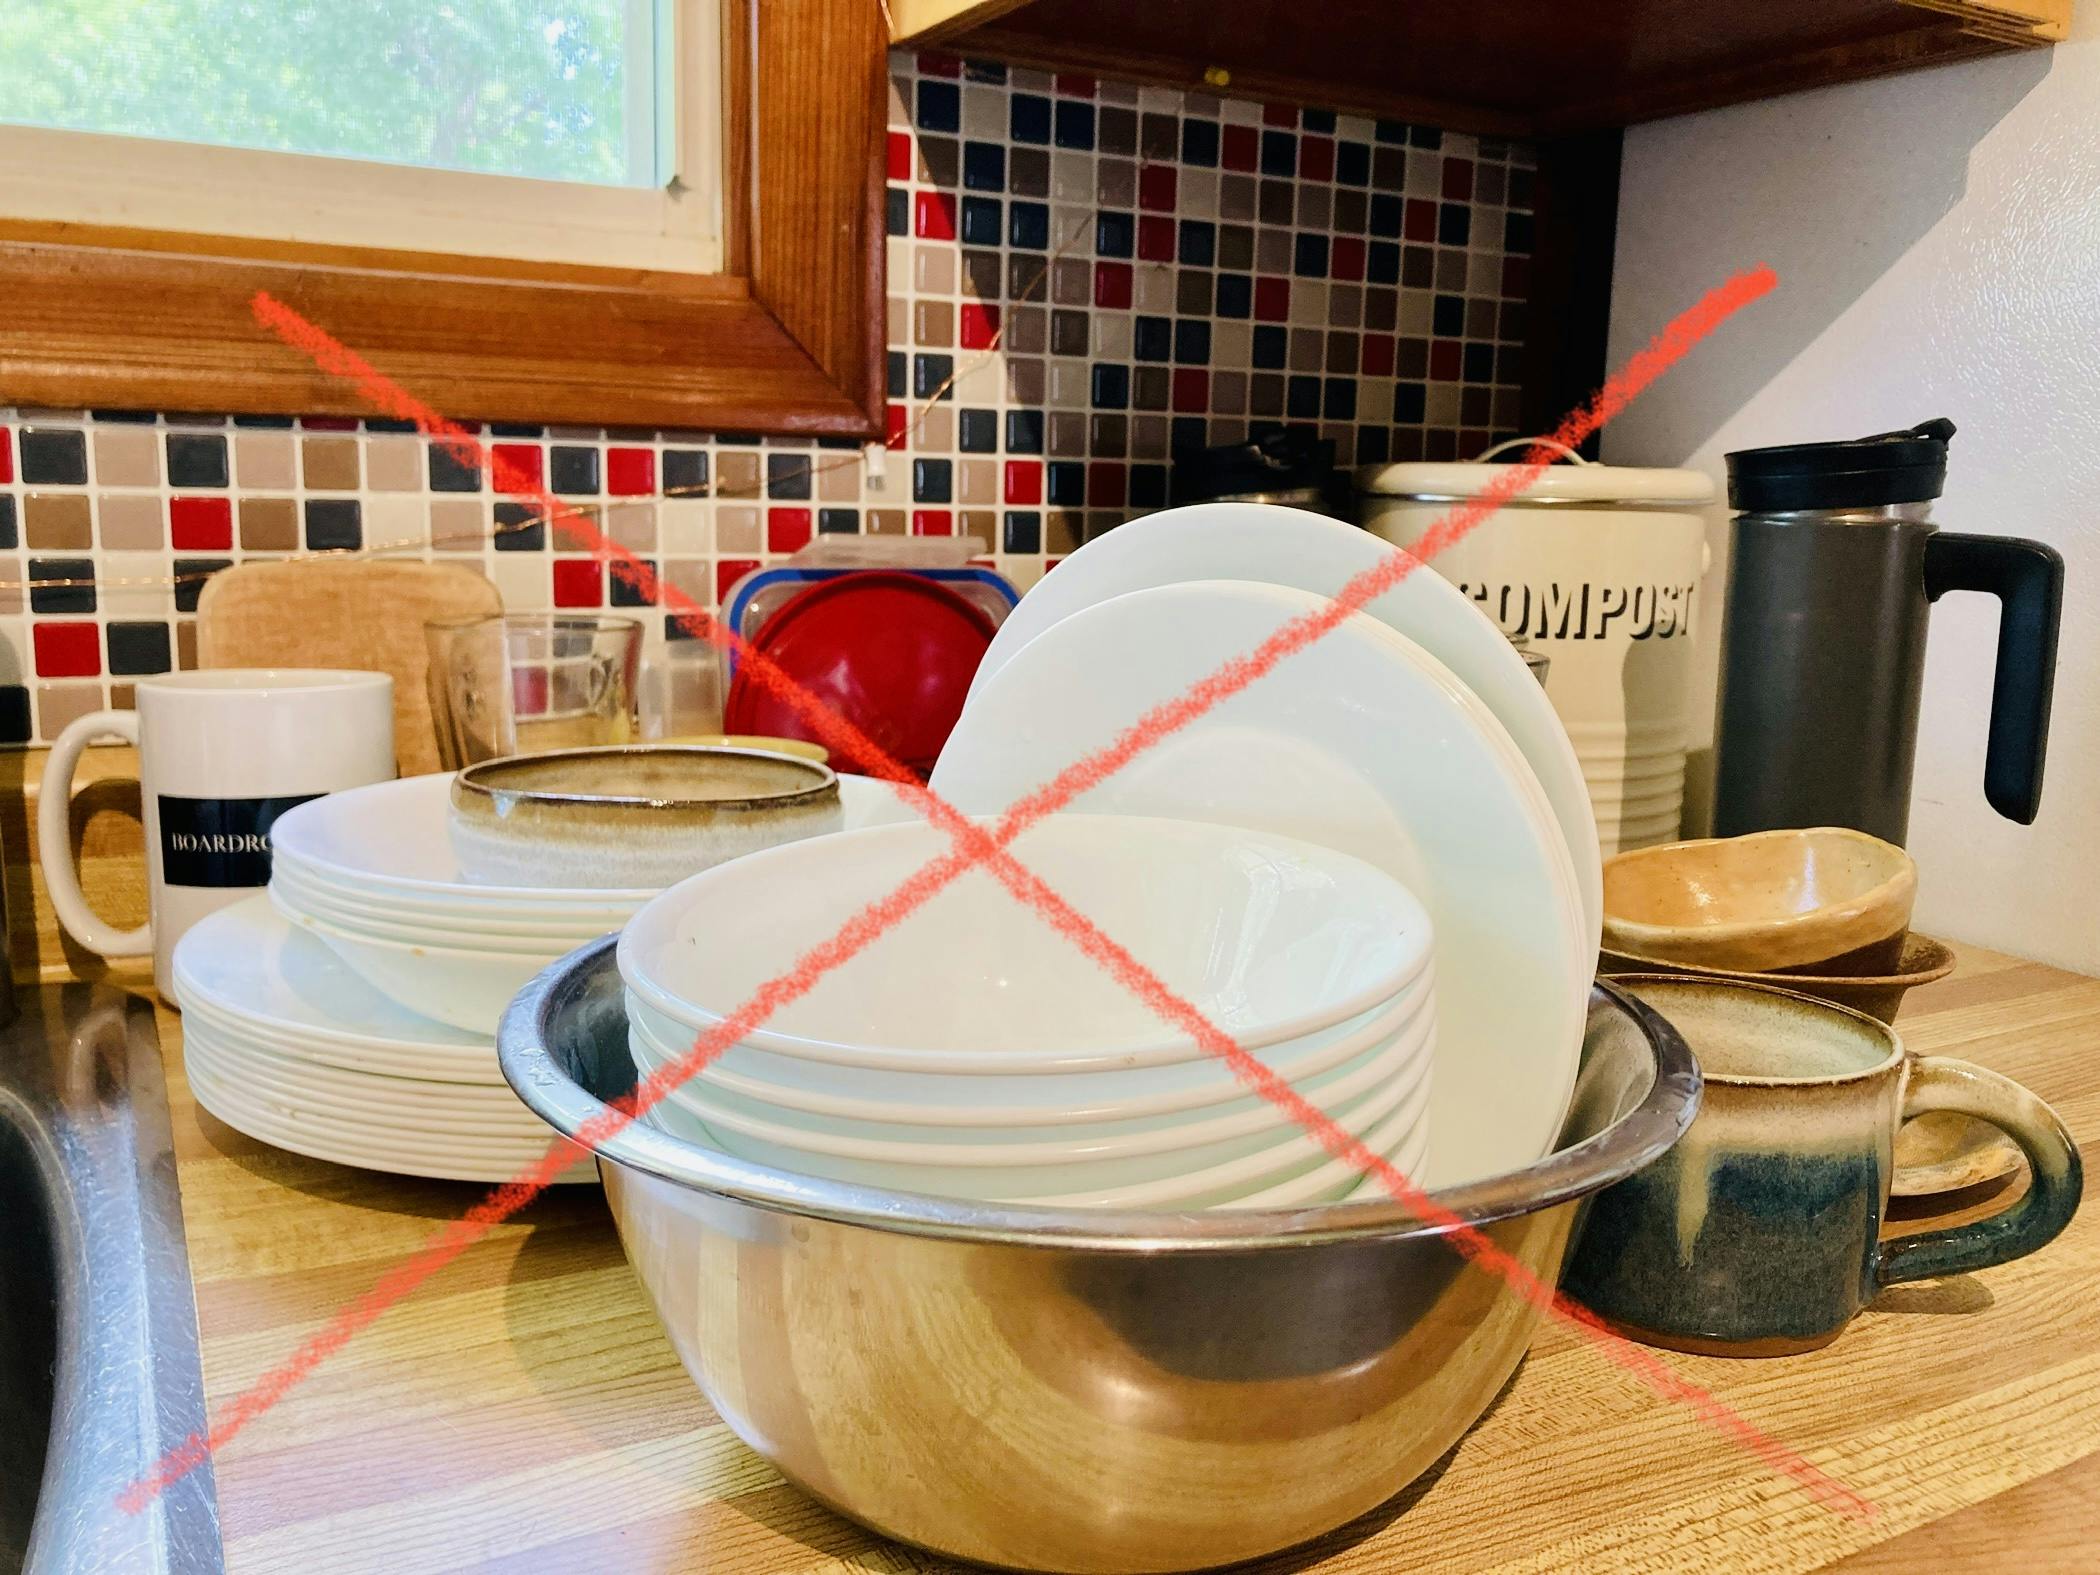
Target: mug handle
x=54, y=840
x=2056, y=1175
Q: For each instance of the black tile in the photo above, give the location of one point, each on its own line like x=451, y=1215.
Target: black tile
x=139, y=648
x=1115, y=234
x=1186, y=432
x=1111, y=387
x=932, y=481
x=1374, y=445
x=685, y=472
x=930, y=375
x=520, y=528
x=189, y=579
x=1024, y=432
x=980, y=221
x=1478, y=363
x=14, y=714
x=1027, y=172
x=1520, y=184
x=940, y=105
x=1235, y=295
x=1028, y=226
x=261, y=423
x=45, y=598
x=984, y=166
x=1271, y=346
x=53, y=456
x=452, y=474
x=1198, y=243
x=941, y=158
x=1447, y=316
x=1279, y=154
x=1024, y=531
x=897, y=213
x=787, y=476
x=1382, y=263
x=1075, y=124
x=1454, y=224
x=1151, y=388
x=838, y=522
x=1064, y=484
x=1417, y=267
x=333, y=522
x=1516, y=233
x=136, y=418
x=843, y=445
x=897, y=373
x=573, y=472
x=1192, y=341
x=1320, y=120
x=1116, y=131
x=1302, y=402
x=1410, y=400
x=977, y=431
x=678, y=626
x=1028, y=118
x=1509, y=364
x=502, y=429
x=1424, y=137
x=633, y=590
x=1199, y=143
x=10, y=534
x=1235, y=246
x=1148, y=486
x=1309, y=255
x=1392, y=131
x=1340, y=401
x=1387, y=215
x=1352, y=164
x=1152, y=339
x=379, y=424
x=196, y=460
x=984, y=71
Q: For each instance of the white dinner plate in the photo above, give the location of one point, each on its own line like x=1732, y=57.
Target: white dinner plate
x=1361, y=741
x=1311, y=552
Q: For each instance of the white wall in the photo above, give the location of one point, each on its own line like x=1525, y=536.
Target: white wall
x=1937, y=241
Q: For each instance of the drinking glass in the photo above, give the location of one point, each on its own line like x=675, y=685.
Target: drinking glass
x=523, y=683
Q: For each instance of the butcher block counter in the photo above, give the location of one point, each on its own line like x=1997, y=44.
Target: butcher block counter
x=522, y=1412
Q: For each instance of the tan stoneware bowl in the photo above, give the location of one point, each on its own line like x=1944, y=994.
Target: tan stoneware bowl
x=1824, y=900
x=636, y=815
x=1923, y=960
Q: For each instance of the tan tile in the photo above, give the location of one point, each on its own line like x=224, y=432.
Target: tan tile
x=269, y=525
x=983, y=524
x=935, y=431
x=330, y=463
x=736, y=474
x=1061, y=530
x=127, y=457
x=186, y=645
x=59, y=704
x=264, y=460
x=632, y=525
x=934, y=270
x=58, y=521
x=839, y=484
x=12, y=571
x=736, y=527
x=933, y=324
x=897, y=323
x=458, y=525
x=395, y=463
x=692, y=577
x=887, y=522
x=130, y=523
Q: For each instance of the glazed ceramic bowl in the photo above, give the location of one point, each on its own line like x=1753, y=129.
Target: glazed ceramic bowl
x=1826, y=900
x=1923, y=961
x=1269, y=937
x=635, y=815
x=1193, y=1389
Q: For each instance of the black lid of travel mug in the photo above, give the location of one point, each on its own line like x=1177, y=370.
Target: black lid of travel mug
x=1889, y=467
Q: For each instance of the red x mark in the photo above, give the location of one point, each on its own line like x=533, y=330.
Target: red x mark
x=974, y=846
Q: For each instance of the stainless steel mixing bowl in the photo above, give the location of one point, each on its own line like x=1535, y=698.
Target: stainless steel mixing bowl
x=1085, y=1390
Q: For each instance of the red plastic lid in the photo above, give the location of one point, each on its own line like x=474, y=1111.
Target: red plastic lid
x=892, y=653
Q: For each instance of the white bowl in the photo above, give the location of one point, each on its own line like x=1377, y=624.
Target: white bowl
x=326, y=901
x=1270, y=938
x=300, y=905
x=466, y=988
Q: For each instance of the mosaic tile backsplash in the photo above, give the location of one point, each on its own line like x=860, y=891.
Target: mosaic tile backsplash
x=1083, y=275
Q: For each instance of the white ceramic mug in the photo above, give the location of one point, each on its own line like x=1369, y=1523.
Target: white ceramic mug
x=221, y=755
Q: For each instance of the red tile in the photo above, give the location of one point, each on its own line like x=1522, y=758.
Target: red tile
x=1316, y=158
x=1345, y=260
x=200, y=524
x=579, y=582
x=900, y=155
x=1376, y=356
x=1051, y=563
x=934, y=216
x=630, y=472
x=1472, y=441
x=1024, y=481
x=1077, y=84
x=7, y=456
x=1516, y=278
x=896, y=426
x=1458, y=179
x=329, y=423
x=1155, y=238
x=727, y=572
x=1241, y=148
x=1105, y=485
x=517, y=467
x=1420, y=223
x=1445, y=361
x=932, y=522
x=1112, y=284
x=977, y=325
x=67, y=650
x=1272, y=299
x=787, y=530
x=1156, y=187
x=1279, y=114
x=1191, y=388
x=933, y=63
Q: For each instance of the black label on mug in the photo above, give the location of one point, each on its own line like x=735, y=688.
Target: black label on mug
x=219, y=841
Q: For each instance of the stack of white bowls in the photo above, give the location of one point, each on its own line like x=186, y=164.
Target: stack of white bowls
x=972, y=1050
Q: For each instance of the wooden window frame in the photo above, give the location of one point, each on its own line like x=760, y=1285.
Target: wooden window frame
x=787, y=339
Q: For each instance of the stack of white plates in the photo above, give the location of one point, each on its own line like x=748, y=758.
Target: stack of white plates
x=284, y=1043
x=970, y=1050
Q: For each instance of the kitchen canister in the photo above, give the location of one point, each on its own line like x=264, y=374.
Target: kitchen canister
x=1596, y=567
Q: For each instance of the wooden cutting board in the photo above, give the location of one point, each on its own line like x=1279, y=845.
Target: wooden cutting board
x=344, y=612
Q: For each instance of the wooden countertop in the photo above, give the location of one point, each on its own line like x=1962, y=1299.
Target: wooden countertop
x=523, y=1413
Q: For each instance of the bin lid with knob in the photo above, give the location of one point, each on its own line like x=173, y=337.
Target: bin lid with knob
x=1578, y=481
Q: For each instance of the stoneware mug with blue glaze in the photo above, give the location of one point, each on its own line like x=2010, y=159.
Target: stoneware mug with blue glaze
x=1759, y=1233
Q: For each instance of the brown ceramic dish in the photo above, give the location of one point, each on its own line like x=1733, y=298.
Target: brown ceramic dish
x=1824, y=900
x=632, y=816
x=1923, y=961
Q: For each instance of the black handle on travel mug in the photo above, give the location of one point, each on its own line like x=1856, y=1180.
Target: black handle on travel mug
x=2028, y=580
